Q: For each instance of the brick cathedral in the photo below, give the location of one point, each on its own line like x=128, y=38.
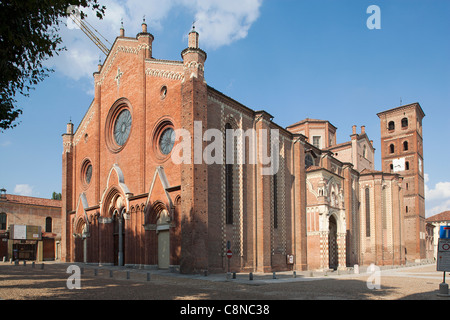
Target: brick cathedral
x=126, y=202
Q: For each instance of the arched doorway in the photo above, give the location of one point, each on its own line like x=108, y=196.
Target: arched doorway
x=159, y=228
x=80, y=235
x=333, y=261
x=112, y=237
x=119, y=237
x=163, y=231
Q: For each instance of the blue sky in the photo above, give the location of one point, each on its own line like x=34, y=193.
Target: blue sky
x=293, y=58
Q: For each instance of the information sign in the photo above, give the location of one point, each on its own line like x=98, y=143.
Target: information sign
x=443, y=255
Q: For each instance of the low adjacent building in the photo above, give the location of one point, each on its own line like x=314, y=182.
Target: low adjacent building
x=434, y=224
x=30, y=228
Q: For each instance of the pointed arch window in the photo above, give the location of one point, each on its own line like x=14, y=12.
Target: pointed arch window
x=3, y=221
x=367, y=200
x=275, y=201
x=228, y=185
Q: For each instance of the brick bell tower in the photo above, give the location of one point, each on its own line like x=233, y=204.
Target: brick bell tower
x=402, y=153
x=194, y=175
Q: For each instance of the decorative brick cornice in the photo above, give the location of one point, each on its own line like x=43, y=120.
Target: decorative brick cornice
x=164, y=74
x=112, y=57
x=83, y=125
x=194, y=50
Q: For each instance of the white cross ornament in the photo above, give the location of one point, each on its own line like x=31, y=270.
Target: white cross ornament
x=118, y=76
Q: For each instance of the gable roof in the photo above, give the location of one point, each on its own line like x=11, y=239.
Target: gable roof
x=443, y=216
x=12, y=198
x=312, y=121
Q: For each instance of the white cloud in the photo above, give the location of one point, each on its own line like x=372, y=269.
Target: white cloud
x=223, y=22
x=441, y=191
x=218, y=22
x=438, y=208
x=23, y=190
x=437, y=198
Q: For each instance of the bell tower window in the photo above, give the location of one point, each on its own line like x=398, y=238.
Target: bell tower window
x=391, y=125
x=391, y=148
x=405, y=146
x=405, y=123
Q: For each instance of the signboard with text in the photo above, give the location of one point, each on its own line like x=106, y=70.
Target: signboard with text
x=443, y=255
x=444, y=232
x=24, y=232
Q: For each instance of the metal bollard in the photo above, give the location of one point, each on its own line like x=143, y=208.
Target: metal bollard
x=250, y=276
x=443, y=289
x=274, y=276
x=234, y=275
x=148, y=276
x=294, y=274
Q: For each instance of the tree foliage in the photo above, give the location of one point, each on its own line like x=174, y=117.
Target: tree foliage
x=29, y=34
x=56, y=196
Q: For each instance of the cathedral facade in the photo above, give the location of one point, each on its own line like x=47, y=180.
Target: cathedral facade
x=167, y=172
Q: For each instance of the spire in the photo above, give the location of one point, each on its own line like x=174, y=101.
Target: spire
x=144, y=25
x=122, y=29
x=193, y=55
x=193, y=37
x=146, y=39
x=69, y=127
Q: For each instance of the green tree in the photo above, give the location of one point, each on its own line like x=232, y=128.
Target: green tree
x=56, y=196
x=29, y=35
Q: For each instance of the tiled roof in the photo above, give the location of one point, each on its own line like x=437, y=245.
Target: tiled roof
x=309, y=120
x=312, y=168
x=443, y=216
x=368, y=171
x=12, y=198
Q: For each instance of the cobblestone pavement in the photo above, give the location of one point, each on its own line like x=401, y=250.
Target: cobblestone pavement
x=50, y=282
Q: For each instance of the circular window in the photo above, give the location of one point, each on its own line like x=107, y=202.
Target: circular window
x=122, y=127
x=86, y=173
x=166, y=141
x=118, y=125
x=163, y=139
